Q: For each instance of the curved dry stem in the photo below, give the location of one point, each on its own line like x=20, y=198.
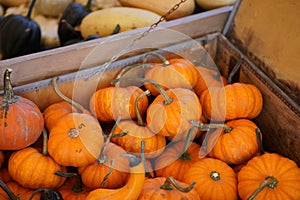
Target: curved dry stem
x=112, y=161
x=171, y=182
x=206, y=127
x=45, y=143
x=270, y=182
x=137, y=110
x=167, y=99
x=162, y=58
x=259, y=141
x=8, y=191
x=61, y=95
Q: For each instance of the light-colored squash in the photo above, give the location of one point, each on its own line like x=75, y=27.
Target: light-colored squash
x=13, y=3
x=103, y=22
x=162, y=7
x=19, y=10
x=100, y=4
x=51, y=8
x=209, y=4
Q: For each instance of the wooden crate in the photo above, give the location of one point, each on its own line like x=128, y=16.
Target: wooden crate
x=279, y=120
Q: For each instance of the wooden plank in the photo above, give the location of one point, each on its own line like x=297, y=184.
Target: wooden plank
x=79, y=56
x=268, y=32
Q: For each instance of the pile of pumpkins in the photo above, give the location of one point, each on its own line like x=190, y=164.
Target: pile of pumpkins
x=56, y=23
x=185, y=132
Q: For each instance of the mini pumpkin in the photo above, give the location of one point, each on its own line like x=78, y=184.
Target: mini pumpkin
x=233, y=101
x=29, y=164
x=175, y=73
x=167, y=188
x=214, y=178
x=269, y=176
x=21, y=121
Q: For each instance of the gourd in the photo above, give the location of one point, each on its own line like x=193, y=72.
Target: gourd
x=233, y=101
x=19, y=35
x=33, y=169
x=269, y=176
x=208, y=5
x=162, y=7
x=131, y=190
x=51, y=8
x=214, y=178
x=103, y=22
x=21, y=121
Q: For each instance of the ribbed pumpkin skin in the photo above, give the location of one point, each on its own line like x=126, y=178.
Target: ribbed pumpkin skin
x=93, y=174
x=109, y=103
x=172, y=163
x=76, y=140
x=257, y=169
x=32, y=169
x=154, y=143
x=173, y=119
x=207, y=188
x=179, y=74
x=237, y=146
x=21, y=125
x=233, y=101
x=152, y=191
x=54, y=112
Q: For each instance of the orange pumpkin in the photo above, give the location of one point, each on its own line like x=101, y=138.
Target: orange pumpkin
x=131, y=190
x=4, y=175
x=137, y=131
x=33, y=169
x=177, y=159
x=175, y=73
x=167, y=188
x=93, y=174
x=111, y=102
x=170, y=112
x=233, y=101
x=21, y=121
x=14, y=191
x=214, y=178
x=208, y=78
x=269, y=176
x=76, y=140
x=235, y=143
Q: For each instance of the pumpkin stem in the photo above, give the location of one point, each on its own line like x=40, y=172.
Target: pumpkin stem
x=162, y=58
x=61, y=95
x=30, y=9
x=133, y=160
x=78, y=186
x=8, y=191
x=234, y=71
x=215, y=176
x=137, y=110
x=270, y=182
x=148, y=174
x=167, y=99
x=102, y=157
x=206, y=127
x=9, y=96
x=170, y=182
x=47, y=194
x=45, y=143
x=112, y=161
x=186, y=156
x=259, y=141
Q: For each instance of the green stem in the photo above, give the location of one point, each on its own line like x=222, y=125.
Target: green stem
x=78, y=186
x=162, y=58
x=30, y=9
x=206, y=127
x=215, y=176
x=259, y=141
x=9, y=95
x=270, y=182
x=185, y=155
x=112, y=161
x=148, y=174
x=61, y=95
x=170, y=182
x=167, y=99
x=9, y=193
x=137, y=110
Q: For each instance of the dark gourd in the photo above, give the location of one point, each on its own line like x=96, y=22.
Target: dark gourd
x=19, y=35
x=72, y=17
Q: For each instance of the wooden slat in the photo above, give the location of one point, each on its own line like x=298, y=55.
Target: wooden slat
x=71, y=58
